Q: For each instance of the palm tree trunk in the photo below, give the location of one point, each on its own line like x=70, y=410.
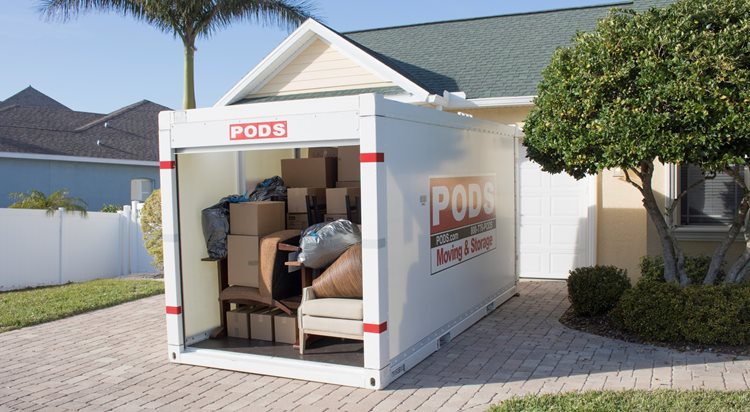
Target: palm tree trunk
x=188, y=100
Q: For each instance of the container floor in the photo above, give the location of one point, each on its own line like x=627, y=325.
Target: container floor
x=322, y=349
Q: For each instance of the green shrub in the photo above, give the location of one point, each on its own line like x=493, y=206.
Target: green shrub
x=716, y=314
x=652, y=310
x=595, y=290
x=652, y=268
x=110, y=208
x=151, y=227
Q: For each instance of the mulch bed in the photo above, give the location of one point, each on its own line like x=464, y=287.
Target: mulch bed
x=603, y=326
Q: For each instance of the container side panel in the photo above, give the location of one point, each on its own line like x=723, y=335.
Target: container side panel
x=203, y=180
x=454, y=174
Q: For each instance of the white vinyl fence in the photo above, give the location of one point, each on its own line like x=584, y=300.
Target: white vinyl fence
x=39, y=249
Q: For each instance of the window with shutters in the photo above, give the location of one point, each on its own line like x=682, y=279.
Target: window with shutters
x=713, y=202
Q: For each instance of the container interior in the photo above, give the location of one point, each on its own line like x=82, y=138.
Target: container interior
x=203, y=179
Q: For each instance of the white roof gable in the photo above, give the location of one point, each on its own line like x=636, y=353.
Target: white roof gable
x=268, y=77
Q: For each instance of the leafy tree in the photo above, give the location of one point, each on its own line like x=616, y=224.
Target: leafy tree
x=36, y=199
x=151, y=227
x=667, y=85
x=188, y=19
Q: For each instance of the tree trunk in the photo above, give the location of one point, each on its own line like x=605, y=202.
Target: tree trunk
x=717, y=260
x=670, y=250
x=188, y=100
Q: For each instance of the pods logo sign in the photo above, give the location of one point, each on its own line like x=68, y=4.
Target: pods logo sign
x=261, y=130
x=462, y=219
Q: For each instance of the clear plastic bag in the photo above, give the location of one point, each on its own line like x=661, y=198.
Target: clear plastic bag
x=323, y=243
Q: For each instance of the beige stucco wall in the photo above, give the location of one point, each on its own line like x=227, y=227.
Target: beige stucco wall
x=318, y=68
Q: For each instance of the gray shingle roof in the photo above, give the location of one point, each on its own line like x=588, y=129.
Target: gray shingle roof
x=32, y=97
x=498, y=56
x=130, y=133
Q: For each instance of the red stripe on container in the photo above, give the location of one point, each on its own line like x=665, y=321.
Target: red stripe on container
x=174, y=310
x=167, y=164
x=372, y=157
x=375, y=328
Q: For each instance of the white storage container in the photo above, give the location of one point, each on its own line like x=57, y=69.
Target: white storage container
x=438, y=200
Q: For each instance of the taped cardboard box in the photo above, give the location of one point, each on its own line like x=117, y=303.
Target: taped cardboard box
x=332, y=217
x=299, y=221
x=296, y=198
x=285, y=328
x=238, y=322
x=256, y=218
x=348, y=163
x=322, y=152
x=261, y=324
x=242, y=260
x=310, y=172
x=336, y=199
x=351, y=183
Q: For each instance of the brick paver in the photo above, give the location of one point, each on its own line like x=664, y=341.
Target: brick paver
x=115, y=359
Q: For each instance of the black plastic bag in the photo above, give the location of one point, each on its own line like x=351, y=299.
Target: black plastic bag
x=270, y=189
x=215, y=223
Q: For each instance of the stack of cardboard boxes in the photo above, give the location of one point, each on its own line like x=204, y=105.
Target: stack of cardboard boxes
x=262, y=323
x=248, y=223
x=328, y=175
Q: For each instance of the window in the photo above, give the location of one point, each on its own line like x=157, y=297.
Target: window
x=713, y=202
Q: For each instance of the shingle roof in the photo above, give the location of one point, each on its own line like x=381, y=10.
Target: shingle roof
x=499, y=56
x=32, y=97
x=130, y=133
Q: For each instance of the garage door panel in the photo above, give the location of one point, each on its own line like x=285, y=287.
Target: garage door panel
x=565, y=206
x=553, y=222
x=565, y=235
x=532, y=206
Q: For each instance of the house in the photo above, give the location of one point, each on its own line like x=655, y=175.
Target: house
x=46, y=146
x=488, y=68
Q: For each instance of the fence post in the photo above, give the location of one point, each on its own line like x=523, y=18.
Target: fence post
x=61, y=212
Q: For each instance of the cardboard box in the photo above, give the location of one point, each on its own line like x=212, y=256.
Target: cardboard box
x=256, y=218
x=323, y=152
x=298, y=221
x=336, y=199
x=242, y=260
x=332, y=217
x=285, y=328
x=310, y=172
x=352, y=183
x=348, y=163
x=261, y=324
x=296, y=198
x=238, y=322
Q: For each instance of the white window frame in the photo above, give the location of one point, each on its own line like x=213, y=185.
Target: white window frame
x=690, y=232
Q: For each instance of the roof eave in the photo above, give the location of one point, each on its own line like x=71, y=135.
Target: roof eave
x=455, y=102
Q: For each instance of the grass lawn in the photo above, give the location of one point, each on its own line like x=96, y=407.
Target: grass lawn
x=32, y=306
x=659, y=400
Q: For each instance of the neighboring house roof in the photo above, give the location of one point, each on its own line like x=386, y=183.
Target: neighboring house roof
x=31, y=97
x=499, y=56
x=30, y=126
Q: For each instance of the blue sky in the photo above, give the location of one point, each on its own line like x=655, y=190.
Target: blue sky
x=101, y=62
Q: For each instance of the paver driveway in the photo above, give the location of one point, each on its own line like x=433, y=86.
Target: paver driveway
x=115, y=359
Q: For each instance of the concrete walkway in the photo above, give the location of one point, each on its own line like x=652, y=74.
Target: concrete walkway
x=115, y=359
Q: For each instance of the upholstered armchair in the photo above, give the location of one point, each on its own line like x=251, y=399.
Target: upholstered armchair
x=337, y=317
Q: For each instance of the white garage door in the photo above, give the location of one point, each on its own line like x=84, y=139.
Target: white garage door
x=556, y=212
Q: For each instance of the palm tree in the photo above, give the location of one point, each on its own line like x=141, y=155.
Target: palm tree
x=36, y=199
x=188, y=19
